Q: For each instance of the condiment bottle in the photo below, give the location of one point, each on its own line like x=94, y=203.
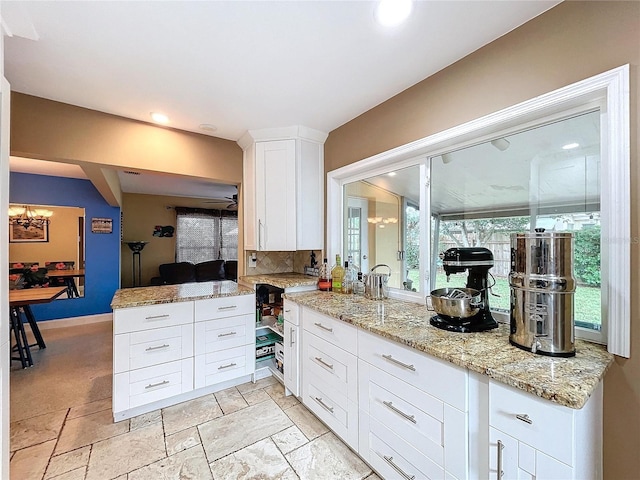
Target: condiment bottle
x=324, y=277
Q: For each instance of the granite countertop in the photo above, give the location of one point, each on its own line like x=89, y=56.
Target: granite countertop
x=281, y=280
x=140, y=296
x=566, y=381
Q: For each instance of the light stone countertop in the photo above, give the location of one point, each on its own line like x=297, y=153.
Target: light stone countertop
x=140, y=296
x=281, y=280
x=566, y=381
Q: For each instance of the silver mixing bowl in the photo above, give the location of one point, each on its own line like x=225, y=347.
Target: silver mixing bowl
x=443, y=304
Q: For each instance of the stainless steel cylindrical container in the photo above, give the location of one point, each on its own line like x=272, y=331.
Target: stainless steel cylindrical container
x=542, y=290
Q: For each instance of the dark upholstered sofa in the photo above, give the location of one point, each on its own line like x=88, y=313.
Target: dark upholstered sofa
x=184, y=272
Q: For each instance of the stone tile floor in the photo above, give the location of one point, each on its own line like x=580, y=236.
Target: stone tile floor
x=252, y=431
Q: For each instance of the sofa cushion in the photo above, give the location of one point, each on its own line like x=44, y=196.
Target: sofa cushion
x=174, y=273
x=231, y=270
x=209, y=271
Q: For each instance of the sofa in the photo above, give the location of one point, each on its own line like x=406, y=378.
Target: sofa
x=185, y=272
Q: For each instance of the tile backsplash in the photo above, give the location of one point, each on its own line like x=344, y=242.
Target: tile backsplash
x=280, y=262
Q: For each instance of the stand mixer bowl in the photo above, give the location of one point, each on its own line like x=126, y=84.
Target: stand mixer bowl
x=456, y=302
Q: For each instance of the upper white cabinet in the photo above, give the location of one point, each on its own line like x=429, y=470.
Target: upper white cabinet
x=283, y=189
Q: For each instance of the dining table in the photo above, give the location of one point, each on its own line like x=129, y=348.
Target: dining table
x=22, y=299
x=67, y=277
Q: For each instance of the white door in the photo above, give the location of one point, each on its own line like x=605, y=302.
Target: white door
x=357, y=232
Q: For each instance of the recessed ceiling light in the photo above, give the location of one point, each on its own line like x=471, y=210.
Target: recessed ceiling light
x=391, y=13
x=207, y=127
x=159, y=117
x=569, y=146
x=392, y=174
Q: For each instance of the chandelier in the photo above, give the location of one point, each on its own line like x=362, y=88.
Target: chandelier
x=26, y=216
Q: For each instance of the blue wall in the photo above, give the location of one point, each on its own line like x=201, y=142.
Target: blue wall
x=102, y=251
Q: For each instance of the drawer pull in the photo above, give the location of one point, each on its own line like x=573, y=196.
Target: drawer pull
x=390, y=405
x=525, y=418
x=157, y=317
x=319, y=325
x=228, y=307
x=500, y=472
x=321, y=361
x=226, y=334
x=156, y=348
x=151, y=385
x=398, y=362
x=324, y=405
x=227, y=366
x=390, y=461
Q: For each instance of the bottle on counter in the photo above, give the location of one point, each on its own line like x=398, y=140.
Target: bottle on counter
x=347, y=280
x=324, y=277
x=337, y=274
x=358, y=285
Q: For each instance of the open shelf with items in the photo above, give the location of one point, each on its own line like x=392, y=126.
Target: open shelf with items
x=269, y=332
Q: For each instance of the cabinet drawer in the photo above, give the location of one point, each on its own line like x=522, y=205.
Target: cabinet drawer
x=291, y=312
x=147, y=385
x=152, y=347
x=440, y=379
x=215, y=335
x=333, y=408
x=334, y=366
x=330, y=329
x=216, y=367
x=221, y=307
x=151, y=316
x=543, y=425
x=400, y=460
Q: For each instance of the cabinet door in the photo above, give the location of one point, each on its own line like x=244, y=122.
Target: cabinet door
x=276, y=195
x=503, y=454
x=291, y=358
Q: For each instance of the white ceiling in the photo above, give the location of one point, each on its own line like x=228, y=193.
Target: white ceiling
x=240, y=65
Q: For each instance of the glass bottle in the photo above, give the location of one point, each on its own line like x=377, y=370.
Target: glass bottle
x=337, y=274
x=324, y=277
x=347, y=281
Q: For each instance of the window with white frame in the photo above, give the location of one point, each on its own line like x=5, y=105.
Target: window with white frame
x=203, y=235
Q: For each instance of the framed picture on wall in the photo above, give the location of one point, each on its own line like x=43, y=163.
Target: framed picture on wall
x=33, y=233
x=101, y=225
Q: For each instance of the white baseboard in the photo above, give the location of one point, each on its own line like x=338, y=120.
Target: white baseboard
x=75, y=321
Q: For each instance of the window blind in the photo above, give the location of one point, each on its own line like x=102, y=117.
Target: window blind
x=203, y=235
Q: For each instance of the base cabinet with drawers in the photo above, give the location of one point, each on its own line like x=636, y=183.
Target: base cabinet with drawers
x=164, y=353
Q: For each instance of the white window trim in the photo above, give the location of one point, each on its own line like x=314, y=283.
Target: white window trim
x=612, y=89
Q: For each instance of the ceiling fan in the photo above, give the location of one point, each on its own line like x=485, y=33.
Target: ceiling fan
x=232, y=201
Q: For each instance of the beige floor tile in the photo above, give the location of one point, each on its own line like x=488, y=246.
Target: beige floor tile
x=125, y=453
x=289, y=439
x=277, y=393
x=89, y=429
x=233, y=432
x=306, y=421
x=77, y=474
x=89, y=408
x=373, y=476
x=182, y=440
x=189, y=464
x=68, y=461
x=262, y=460
x=327, y=457
x=34, y=430
x=31, y=462
x=230, y=400
x=262, y=383
x=189, y=414
x=145, y=419
x=256, y=396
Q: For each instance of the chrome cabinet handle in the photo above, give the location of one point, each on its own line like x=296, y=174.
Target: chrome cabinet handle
x=259, y=234
x=392, y=407
x=151, y=385
x=228, y=307
x=319, y=325
x=156, y=317
x=524, y=418
x=226, y=334
x=227, y=366
x=398, y=362
x=156, y=348
x=390, y=461
x=291, y=342
x=324, y=405
x=321, y=361
x=500, y=472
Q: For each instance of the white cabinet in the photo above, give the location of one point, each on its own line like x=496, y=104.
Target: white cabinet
x=283, y=189
x=532, y=438
x=292, y=348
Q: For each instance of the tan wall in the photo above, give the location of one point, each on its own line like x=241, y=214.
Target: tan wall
x=49, y=130
x=569, y=43
x=62, y=244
